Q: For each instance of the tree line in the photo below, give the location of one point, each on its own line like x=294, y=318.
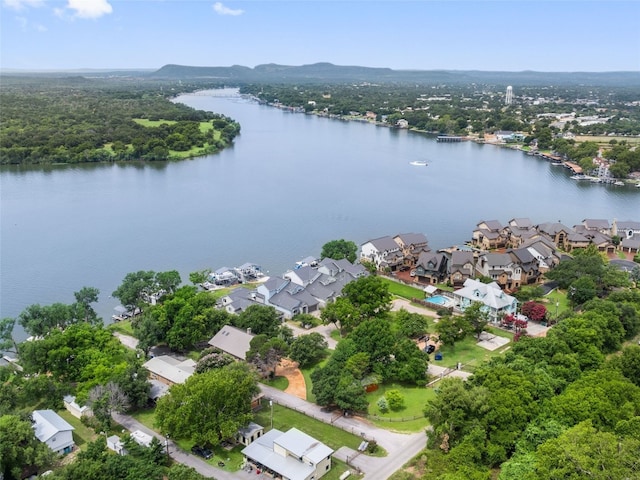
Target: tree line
x=94, y=120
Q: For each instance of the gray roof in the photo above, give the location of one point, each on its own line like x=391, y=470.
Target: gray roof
x=597, y=224
x=492, y=224
x=523, y=255
x=47, y=423
x=261, y=451
x=628, y=225
x=521, y=222
x=633, y=242
x=306, y=274
x=412, y=238
x=250, y=429
x=498, y=259
x=303, y=445
x=232, y=340
x=553, y=228
x=384, y=243
x=174, y=370
x=355, y=271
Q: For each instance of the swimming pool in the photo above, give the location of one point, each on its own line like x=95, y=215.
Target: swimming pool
x=439, y=300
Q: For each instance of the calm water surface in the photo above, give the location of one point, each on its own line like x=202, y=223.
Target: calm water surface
x=289, y=184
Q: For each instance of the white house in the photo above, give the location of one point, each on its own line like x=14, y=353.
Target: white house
x=233, y=341
x=293, y=455
x=496, y=302
x=141, y=438
x=383, y=252
x=52, y=429
x=74, y=409
x=169, y=370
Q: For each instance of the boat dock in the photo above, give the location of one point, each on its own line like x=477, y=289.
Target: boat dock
x=449, y=138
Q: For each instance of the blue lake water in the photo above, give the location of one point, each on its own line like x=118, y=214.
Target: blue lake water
x=290, y=183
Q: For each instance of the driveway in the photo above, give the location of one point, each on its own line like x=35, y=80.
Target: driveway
x=399, y=303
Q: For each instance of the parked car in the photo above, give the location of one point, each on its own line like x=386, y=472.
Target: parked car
x=202, y=452
x=430, y=348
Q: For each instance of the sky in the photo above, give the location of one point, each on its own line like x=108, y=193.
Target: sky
x=507, y=35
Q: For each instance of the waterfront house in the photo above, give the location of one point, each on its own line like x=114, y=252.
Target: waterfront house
x=499, y=267
x=596, y=225
x=232, y=340
x=460, y=267
x=53, y=430
x=495, y=302
x=556, y=232
x=383, y=252
x=292, y=455
x=626, y=229
x=169, y=370
x=489, y=235
x=544, y=251
x=431, y=268
x=411, y=245
x=529, y=268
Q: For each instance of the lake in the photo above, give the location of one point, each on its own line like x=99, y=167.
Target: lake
x=290, y=183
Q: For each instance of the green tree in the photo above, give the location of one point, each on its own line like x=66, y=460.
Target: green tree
x=342, y=313
x=369, y=295
x=477, y=317
x=19, y=447
x=261, y=319
x=412, y=325
x=451, y=329
x=308, y=349
x=209, y=407
x=84, y=298
x=135, y=288
x=584, y=452
x=339, y=249
x=7, y=342
x=199, y=276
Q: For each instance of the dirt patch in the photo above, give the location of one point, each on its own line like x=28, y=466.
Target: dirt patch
x=297, y=386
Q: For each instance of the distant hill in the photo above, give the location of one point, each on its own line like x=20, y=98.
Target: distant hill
x=329, y=73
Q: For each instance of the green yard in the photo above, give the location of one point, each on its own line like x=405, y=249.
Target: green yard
x=410, y=418
x=281, y=383
x=124, y=327
x=81, y=433
x=468, y=352
x=285, y=418
x=402, y=290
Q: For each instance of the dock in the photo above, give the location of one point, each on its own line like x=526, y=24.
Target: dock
x=449, y=138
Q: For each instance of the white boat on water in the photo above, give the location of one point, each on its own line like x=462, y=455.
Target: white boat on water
x=418, y=163
x=579, y=177
x=618, y=183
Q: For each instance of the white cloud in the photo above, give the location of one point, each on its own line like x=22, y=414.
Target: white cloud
x=89, y=8
x=220, y=9
x=20, y=4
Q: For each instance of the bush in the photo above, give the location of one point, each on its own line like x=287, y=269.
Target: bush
x=395, y=400
x=383, y=405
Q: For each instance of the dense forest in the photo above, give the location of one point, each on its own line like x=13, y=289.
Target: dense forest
x=72, y=120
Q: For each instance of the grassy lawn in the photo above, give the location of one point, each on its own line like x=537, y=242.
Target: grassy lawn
x=402, y=290
x=284, y=418
x=147, y=417
x=559, y=297
x=468, y=353
x=124, y=327
x=82, y=434
x=415, y=398
x=338, y=467
x=335, y=334
x=281, y=383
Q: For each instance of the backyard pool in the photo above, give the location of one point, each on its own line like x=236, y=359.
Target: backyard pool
x=440, y=300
